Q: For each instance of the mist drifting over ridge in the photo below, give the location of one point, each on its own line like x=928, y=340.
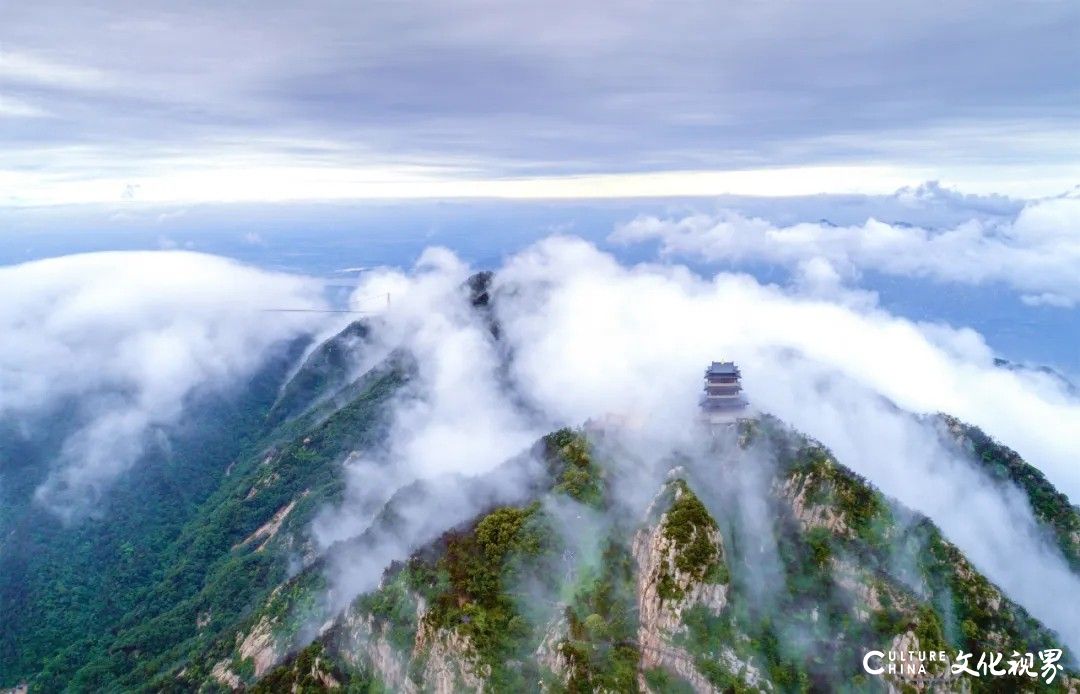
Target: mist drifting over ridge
x=582, y=336
x=120, y=339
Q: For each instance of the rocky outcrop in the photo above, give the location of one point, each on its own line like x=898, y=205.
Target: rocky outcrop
x=549, y=654
x=665, y=589
x=798, y=491
x=439, y=660
x=270, y=528
x=222, y=673
x=659, y=616
x=860, y=584
x=261, y=647
x=834, y=537
x=370, y=644
x=449, y=663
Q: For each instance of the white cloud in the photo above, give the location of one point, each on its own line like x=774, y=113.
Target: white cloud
x=1037, y=253
x=222, y=175
x=28, y=67
x=1048, y=299
x=127, y=336
x=456, y=418
x=818, y=278
x=598, y=310
x=19, y=108
x=230, y=172
x=587, y=336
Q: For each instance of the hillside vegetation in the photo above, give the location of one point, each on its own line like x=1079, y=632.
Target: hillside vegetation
x=757, y=563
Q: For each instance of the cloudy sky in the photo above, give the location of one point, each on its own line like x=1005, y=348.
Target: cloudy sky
x=259, y=101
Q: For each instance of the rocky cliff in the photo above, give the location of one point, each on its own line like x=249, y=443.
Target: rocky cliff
x=672, y=597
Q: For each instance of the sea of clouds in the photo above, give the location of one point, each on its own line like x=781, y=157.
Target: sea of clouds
x=583, y=336
x=127, y=336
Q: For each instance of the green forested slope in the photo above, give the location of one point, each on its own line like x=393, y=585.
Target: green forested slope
x=1004, y=465
x=60, y=583
x=102, y=604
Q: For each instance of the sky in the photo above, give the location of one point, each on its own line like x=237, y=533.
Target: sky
x=152, y=102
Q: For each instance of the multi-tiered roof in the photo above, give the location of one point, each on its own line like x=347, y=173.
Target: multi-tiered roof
x=723, y=389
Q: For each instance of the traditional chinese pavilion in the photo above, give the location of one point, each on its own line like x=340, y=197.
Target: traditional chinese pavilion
x=723, y=399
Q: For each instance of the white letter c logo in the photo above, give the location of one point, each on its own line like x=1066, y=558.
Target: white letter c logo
x=866, y=662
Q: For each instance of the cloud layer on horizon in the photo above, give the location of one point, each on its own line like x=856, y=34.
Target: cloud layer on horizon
x=1036, y=252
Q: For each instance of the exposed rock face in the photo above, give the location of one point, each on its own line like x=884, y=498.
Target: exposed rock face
x=665, y=591
x=662, y=617
x=549, y=655
x=369, y=642
x=797, y=489
x=270, y=528
x=860, y=584
x=225, y=676
x=261, y=647
x=449, y=665
x=439, y=660
x=324, y=678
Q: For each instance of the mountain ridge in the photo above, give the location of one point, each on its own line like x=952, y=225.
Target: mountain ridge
x=244, y=596
x=381, y=621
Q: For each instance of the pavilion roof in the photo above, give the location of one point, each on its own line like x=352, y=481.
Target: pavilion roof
x=722, y=368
